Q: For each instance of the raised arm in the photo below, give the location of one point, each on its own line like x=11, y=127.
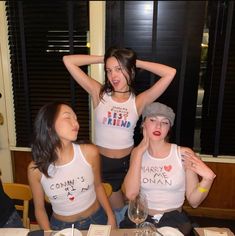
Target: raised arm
x=166, y=75
x=38, y=197
x=92, y=155
x=73, y=64
x=132, y=179
x=196, y=191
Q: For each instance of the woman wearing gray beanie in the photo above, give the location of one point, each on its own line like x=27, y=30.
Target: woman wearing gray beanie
x=166, y=173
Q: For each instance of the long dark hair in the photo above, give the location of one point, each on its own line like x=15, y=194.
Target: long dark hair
x=45, y=139
x=127, y=60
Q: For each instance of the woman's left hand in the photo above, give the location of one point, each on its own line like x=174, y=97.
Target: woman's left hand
x=193, y=162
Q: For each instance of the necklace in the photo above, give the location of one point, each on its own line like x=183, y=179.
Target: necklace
x=127, y=91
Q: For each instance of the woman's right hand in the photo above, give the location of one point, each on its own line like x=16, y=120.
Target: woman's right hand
x=143, y=145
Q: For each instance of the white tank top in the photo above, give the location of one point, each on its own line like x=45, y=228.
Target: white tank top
x=71, y=186
x=163, y=180
x=115, y=123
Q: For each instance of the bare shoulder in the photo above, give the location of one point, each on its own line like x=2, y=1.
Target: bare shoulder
x=140, y=101
x=31, y=166
x=187, y=150
x=33, y=171
x=90, y=152
x=90, y=149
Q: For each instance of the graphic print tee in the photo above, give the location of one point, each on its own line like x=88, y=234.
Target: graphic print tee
x=115, y=123
x=163, y=180
x=71, y=186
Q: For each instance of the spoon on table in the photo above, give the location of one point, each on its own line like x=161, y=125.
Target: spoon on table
x=72, y=230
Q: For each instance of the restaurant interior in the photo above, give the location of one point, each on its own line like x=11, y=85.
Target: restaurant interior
x=195, y=37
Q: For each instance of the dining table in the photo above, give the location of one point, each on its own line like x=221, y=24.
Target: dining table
x=114, y=232
x=205, y=231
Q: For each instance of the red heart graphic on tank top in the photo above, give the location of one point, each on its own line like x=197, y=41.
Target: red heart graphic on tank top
x=71, y=198
x=167, y=168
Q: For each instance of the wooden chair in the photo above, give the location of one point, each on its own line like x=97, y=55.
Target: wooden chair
x=23, y=193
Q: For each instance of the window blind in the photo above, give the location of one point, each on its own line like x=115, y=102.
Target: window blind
x=170, y=32
x=40, y=33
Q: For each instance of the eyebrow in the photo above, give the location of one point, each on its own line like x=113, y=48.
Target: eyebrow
x=163, y=117
x=113, y=67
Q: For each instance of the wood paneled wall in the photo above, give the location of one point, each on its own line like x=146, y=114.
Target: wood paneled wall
x=220, y=202
x=20, y=162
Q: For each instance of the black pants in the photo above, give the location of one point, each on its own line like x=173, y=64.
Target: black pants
x=114, y=170
x=173, y=219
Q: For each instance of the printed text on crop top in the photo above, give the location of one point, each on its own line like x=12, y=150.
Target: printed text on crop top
x=115, y=123
x=71, y=186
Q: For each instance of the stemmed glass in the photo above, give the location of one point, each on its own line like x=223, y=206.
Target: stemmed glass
x=138, y=210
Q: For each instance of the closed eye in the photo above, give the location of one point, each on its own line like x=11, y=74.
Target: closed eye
x=165, y=122
x=152, y=119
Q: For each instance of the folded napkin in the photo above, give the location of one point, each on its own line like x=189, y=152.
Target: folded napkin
x=213, y=232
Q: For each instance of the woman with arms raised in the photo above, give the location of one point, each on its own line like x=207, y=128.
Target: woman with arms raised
x=116, y=107
x=67, y=173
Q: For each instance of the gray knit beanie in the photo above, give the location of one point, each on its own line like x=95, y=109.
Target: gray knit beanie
x=159, y=109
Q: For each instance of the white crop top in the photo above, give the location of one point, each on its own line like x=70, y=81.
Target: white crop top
x=163, y=180
x=115, y=123
x=71, y=186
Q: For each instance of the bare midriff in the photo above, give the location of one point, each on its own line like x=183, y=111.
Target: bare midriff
x=153, y=212
x=115, y=153
x=82, y=215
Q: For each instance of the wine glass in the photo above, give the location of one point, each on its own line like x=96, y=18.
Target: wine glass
x=138, y=210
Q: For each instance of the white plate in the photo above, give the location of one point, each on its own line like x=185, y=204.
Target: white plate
x=169, y=231
x=68, y=232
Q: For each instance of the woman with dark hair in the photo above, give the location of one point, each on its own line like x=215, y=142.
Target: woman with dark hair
x=165, y=172
x=116, y=107
x=67, y=173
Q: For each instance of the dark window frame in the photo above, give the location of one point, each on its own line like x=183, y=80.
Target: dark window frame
x=184, y=55
x=38, y=39
x=180, y=24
